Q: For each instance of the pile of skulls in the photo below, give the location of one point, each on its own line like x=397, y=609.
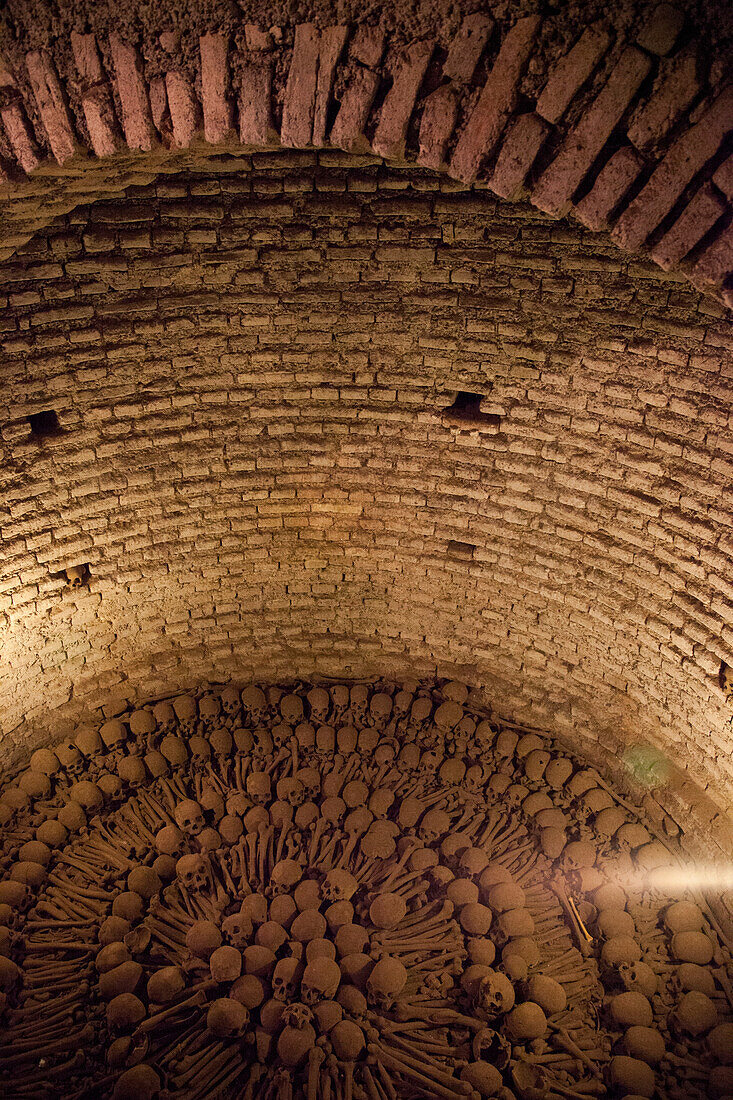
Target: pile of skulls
x=357, y=891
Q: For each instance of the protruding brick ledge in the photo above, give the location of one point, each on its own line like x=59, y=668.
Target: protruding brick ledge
x=608, y=138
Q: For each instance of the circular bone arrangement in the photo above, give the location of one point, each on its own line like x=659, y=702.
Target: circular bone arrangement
x=340, y=892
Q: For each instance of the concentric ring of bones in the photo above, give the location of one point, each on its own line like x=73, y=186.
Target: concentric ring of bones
x=345, y=892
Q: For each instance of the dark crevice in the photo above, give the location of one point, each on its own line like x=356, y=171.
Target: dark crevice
x=460, y=551
x=44, y=424
x=466, y=409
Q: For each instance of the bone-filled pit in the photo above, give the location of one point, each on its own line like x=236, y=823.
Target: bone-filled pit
x=346, y=890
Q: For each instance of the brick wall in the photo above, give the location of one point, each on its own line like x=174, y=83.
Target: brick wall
x=622, y=121
x=250, y=369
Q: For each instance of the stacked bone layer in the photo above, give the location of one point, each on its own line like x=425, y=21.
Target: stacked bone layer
x=354, y=893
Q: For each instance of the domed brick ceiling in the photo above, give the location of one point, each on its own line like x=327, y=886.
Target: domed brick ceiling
x=322, y=414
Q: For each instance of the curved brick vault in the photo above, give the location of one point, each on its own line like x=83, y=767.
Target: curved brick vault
x=250, y=349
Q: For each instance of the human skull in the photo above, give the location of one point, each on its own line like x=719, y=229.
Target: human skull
x=114, y=734
x=408, y=758
x=254, y=706
x=338, y=885
x=227, y=1018
x=232, y=705
x=447, y=717
x=434, y=825
x=494, y=995
x=305, y=735
x=88, y=742
x=17, y=895
x=310, y=778
x=194, y=872
x=281, y=734
x=69, y=757
x=165, y=718
x=638, y=977
x=429, y=763
x=209, y=714
x=475, y=778
x=170, y=841
x=237, y=929
x=380, y=709
x=319, y=704
x=285, y=979
x=358, y=701
x=320, y=981
x=292, y=791
x=259, y=787
x=221, y=742
x=297, y=1015
x=200, y=750
x=286, y=874
x=386, y=982
x=189, y=817
x=420, y=712
x=291, y=709
x=186, y=714
x=403, y=700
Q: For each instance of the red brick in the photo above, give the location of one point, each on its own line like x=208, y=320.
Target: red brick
x=670, y=99
x=96, y=99
x=467, y=47
x=137, y=122
x=497, y=101
x=394, y=116
x=571, y=72
x=700, y=215
x=683, y=161
x=255, y=106
x=723, y=178
x=612, y=183
x=86, y=58
x=716, y=262
x=300, y=91
x=183, y=107
x=348, y=129
x=439, y=115
x=520, y=147
x=582, y=145
x=21, y=137
x=661, y=31
x=333, y=40
x=217, y=107
x=51, y=106
x=367, y=47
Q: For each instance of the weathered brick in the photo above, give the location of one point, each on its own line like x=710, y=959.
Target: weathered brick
x=516, y=156
x=467, y=46
x=612, y=183
x=671, y=97
x=184, y=108
x=571, y=72
x=497, y=101
x=439, y=116
x=661, y=30
x=700, y=215
x=408, y=71
x=217, y=107
x=300, y=92
x=51, y=105
x=20, y=136
x=137, y=122
x=716, y=262
x=553, y=193
x=256, y=126
x=683, y=161
x=347, y=131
